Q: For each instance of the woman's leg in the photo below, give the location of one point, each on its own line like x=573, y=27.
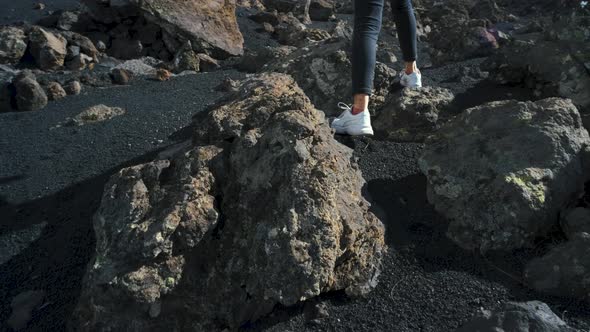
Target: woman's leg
x=367, y=24
x=405, y=21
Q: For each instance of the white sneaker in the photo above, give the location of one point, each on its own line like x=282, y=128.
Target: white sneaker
x=354, y=125
x=413, y=80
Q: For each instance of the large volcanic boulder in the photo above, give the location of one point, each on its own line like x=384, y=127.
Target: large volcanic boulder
x=517, y=317
x=501, y=172
x=563, y=271
x=413, y=114
x=210, y=25
x=264, y=208
x=13, y=44
x=323, y=70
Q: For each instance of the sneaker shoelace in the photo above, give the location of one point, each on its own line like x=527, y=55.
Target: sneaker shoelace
x=344, y=107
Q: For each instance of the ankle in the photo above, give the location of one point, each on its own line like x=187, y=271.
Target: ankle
x=411, y=67
x=356, y=110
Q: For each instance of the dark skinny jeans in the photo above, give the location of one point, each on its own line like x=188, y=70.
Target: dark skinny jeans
x=367, y=25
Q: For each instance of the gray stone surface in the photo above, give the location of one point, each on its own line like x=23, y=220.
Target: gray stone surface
x=502, y=171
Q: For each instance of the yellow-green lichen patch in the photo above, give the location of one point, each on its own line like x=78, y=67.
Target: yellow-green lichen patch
x=529, y=181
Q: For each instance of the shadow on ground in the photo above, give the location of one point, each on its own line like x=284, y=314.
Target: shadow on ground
x=56, y=261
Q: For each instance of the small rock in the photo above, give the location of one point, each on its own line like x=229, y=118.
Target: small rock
x=67, y=20
x=140, y=67
x=79, y=62
x=342, y=30
x=207, y=63
x=39, y=6
x=321, y=10
x=100, y=45
x=267, y=27
x=73, y=88
x=163, y=74
x=228, y=85
x=84, y=43
x=29, y=94
x=386, y=56
x=13, y=44
x=22, y=307
x=95, y=114
x=120, y=76
x=313, y=311
x=73, y=51
x=55, y=91
x=48, y=49
x=186, y=59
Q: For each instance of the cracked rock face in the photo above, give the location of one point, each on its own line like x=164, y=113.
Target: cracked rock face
x=502, y=171
x=263, y=208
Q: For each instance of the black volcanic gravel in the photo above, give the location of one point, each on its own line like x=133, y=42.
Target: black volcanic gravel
x=51, y=181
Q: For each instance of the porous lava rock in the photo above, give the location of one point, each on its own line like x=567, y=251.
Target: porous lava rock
x=263, y=208
x=502, y=171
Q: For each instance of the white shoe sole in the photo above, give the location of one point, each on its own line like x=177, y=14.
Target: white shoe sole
x=363, y=131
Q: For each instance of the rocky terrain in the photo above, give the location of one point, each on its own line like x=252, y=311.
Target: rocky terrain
x=168, y=165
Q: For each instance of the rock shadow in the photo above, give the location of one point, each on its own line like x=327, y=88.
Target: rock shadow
x=56, y=260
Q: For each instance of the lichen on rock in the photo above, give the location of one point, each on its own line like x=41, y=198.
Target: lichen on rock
x=502, y=171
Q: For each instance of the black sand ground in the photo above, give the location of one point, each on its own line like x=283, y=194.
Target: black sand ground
x=51, y=182
x=13, y=11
